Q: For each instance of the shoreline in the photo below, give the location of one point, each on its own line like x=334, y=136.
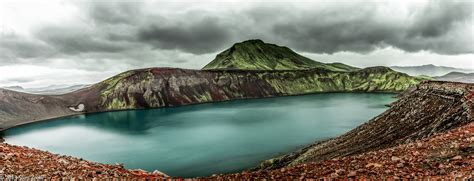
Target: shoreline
x=197, y=103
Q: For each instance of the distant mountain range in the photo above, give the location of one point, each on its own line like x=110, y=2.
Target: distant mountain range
x=49, y=90
x=429, y=70
x=457, y=77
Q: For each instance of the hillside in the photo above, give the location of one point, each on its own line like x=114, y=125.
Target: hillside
x=443, y=156
x=457, y=77
x=166, y=87
x=429, y=70
x=258, y=55
x=432, y=107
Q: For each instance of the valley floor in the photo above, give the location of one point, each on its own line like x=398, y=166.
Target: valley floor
x=449, y=154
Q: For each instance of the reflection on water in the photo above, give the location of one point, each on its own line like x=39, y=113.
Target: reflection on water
x=200, y=140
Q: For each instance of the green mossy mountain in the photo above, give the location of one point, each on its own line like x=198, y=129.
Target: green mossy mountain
x=258, y=55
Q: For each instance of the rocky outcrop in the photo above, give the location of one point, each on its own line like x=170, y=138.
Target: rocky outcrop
x=166, y=87
x=430, y=108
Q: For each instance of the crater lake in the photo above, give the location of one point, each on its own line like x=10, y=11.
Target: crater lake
x=200, y=140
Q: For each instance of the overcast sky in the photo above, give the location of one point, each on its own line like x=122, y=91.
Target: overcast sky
x=73, y=42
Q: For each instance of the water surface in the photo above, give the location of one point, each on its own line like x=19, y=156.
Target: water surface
x=200, y=140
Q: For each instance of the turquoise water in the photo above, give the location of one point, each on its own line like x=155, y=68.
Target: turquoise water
x=200, y=140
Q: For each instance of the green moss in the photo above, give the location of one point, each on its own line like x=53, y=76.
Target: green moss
x=257, y=55
x=112, y=82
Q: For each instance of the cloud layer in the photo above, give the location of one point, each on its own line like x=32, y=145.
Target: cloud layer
x=130, y=34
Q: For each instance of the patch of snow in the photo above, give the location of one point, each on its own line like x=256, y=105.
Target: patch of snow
x=78, y=108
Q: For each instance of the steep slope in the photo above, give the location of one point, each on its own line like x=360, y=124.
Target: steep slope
x=165, y=87
x=457, y=77
x=257, y=55
x=159, y=87
x=443, y=156
x=430, y=108
x=429, y=70
x=18, y=107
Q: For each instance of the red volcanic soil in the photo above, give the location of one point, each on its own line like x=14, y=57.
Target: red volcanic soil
x=23, y=162
x=446, y=155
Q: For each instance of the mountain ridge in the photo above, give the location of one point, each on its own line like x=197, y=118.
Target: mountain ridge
x=457, y=77
x=258, y=55
x=429, y=70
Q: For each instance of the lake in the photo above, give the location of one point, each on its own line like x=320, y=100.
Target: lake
x=199, y=140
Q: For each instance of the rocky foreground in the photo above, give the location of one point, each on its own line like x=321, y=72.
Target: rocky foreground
x=444, y=155
x=18, y=162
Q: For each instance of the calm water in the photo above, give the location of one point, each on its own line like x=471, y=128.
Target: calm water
x=200, y=140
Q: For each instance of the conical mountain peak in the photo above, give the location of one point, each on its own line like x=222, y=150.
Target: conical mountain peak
x=257, y=55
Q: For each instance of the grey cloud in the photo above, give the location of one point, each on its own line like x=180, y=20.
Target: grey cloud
x=199, y=37
x=439, y=17
x=106, y=12
x=14, y=46
x=69, y=40
x=21, y=80
x=131, y=32
x=361, y=30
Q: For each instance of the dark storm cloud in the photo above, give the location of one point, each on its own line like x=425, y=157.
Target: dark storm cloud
x=362, y=30
x=13, y=46
x=439, y=18
x=69, y=40
x=130, y=29
x=331, y=32
x=199, y=37
x=114, y=13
